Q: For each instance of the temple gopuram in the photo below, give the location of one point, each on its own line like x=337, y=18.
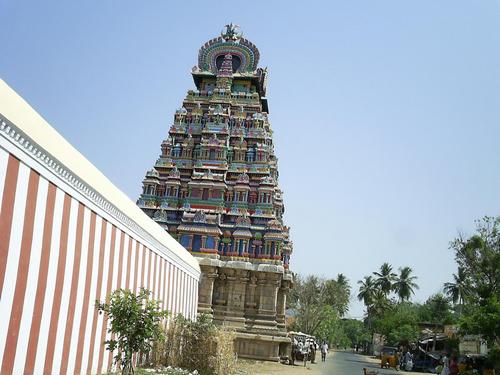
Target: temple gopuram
x=215, y=189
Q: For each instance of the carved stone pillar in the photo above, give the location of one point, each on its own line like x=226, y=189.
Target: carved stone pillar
x=250, y=294
x=268, y=284
x=206, y=289
x=271, y=293
x=219, y=298
x=261, y=292
x=281, y=303
x=236, y=286
x=238, y=292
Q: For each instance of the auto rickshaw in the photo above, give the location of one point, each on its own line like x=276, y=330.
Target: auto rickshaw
x=388, y=357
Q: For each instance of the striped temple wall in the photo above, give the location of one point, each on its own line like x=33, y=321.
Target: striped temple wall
x=64, y=245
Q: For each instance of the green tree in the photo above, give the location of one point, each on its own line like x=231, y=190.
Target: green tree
x=437, y=309
x=404, y=285
x=383, y=314
x=483, y=319
x=479, y=258
x=343, y=281
x=351, y=333
x=459, y=288
x=328, y=326
x=367, y=288
x=398, y=323
x=337, y=294
x=385, y=278
x=314, y=298
x=135, y=325
x=380, y=303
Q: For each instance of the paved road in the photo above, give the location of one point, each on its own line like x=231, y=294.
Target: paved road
x=337, y=363
x=347, y=363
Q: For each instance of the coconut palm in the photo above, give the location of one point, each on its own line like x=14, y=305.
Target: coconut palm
x=385, y=278
x=379, y=302
x=366, y=290
x=405, y=285
x=344, y=294
x=336, y=293
x=343, y=281
x=459, y=289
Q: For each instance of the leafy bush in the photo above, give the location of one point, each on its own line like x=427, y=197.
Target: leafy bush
x=135, y=322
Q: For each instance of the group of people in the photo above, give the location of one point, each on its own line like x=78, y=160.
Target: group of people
x=307, y=349
x=313, y=347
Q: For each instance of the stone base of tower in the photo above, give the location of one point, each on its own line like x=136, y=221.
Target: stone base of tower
x=249, y=298
x=262, y=347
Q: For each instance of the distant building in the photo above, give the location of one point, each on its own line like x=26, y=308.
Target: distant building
x=214, y=187
x=473, y=344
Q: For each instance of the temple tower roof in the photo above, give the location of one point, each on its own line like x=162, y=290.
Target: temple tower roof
x=230, y=55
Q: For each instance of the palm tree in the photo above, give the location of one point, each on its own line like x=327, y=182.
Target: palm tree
x=385, y=278
x=459, y=289
x=343, y=281
x=366, y=290
x=380, y=303
x=405, y=285
x=343, y=295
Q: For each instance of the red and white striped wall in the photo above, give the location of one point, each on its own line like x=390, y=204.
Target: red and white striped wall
x=60, y=251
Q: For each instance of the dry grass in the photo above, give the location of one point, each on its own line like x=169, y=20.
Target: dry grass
x=198, y=346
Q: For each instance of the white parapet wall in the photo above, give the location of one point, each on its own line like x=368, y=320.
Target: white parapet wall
x=69, y=237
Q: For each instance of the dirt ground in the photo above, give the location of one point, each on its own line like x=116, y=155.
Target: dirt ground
x=248, y=367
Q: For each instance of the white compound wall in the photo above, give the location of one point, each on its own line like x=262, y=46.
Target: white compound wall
x=69, y=237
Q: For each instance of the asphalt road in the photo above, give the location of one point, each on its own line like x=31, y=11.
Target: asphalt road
x=337, y=363
x=347, y=363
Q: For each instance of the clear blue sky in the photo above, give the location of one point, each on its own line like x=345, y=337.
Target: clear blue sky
x=386, y=113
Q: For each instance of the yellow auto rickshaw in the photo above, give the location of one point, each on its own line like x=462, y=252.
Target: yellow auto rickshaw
x=388, y=357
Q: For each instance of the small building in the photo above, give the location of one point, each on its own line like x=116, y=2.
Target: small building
x=473, y=345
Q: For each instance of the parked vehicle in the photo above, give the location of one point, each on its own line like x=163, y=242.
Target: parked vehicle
x=388, y=357
x=300, y=347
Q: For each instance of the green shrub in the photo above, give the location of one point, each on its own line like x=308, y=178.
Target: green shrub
x=135, y=322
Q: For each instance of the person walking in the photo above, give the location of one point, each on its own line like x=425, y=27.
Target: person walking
x=454, y=365
x=446, y=365
x=324, y=350
x=408, y=361
x=312, y=348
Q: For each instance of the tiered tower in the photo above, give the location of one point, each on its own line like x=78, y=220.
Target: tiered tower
x=214, y=188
